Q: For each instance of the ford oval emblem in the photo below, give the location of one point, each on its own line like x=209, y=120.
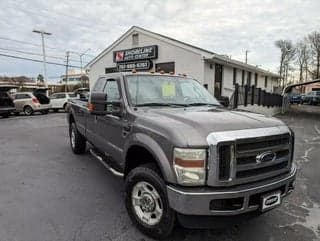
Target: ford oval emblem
x=267, y=156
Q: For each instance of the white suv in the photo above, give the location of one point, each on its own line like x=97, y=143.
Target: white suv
x=60, y=100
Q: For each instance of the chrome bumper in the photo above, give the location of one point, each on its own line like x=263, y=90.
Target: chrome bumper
x=196, y=201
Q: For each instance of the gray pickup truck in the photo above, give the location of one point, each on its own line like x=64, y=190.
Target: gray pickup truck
x=183, y=157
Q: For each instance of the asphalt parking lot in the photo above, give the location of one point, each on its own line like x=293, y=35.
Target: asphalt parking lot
x=48, y=193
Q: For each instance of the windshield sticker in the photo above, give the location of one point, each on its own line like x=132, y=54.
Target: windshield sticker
x=168, y=89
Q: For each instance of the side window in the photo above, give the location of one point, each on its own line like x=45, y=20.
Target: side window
x=54, y=96
x=61, y=96
x=22, y=96
x=99, y=87
x=112, y=90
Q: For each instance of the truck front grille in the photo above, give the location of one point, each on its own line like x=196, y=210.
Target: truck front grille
x=247, y=167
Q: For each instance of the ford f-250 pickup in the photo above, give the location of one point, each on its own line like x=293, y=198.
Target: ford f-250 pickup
x=183, y=157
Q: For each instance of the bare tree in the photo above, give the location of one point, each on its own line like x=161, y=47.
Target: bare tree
x=314, y=39
x=303, y=57
x=287, y=54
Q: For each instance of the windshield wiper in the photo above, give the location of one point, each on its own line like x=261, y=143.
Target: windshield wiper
x=159, y=104
x=201, y=104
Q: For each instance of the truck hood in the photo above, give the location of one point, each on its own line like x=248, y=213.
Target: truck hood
x=191, y=126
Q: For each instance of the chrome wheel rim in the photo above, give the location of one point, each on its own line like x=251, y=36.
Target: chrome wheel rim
x=147, y=203
x=73, y=138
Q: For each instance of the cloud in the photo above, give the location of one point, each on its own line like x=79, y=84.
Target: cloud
x=226, y=27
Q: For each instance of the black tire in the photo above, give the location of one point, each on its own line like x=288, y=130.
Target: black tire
x=28, y=110
x=65, y=107
x=78, y=144
x=150, y=174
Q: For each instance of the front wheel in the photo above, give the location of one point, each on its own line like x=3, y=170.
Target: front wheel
x=77, y=141
x=147, y=203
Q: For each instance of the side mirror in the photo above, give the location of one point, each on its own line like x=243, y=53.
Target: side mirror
x=99, y=105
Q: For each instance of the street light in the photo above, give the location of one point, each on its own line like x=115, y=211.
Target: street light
x=80, y=54
x=44, y=54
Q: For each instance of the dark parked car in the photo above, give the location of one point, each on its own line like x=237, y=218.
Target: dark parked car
x=295, y=99
x=312, y=98
x=6, y=102
x=183, y=157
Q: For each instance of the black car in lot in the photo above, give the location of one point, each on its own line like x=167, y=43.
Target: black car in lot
x=6, y=102
x=295, y=99
x=312, y=98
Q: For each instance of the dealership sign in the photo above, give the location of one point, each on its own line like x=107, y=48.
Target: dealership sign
x=141, y=53
x=138, y=65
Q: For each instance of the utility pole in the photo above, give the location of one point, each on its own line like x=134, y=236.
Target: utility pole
x=247, y=51
x=67, y=65
x=44, y=54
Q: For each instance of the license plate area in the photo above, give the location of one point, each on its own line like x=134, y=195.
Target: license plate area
x=270, y=200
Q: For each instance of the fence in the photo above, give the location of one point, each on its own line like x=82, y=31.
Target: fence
x=250, y=95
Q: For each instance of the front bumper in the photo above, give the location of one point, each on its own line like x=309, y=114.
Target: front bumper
x=198, y=201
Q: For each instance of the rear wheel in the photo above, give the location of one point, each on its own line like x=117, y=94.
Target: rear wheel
x=28, y=110
x=77, y=141
x=147, y=203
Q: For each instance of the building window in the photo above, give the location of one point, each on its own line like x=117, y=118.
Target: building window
x=135, y=39
x=110, y=70
x=256, y=80
x=166, y=67
x=234, y=76
x=242, y=80
x=265, y=81
x=249, y=79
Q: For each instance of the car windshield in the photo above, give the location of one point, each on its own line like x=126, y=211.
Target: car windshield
x=167, y=91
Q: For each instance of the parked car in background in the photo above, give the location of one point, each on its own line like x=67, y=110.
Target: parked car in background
x=295, y=99
x=59, y=100
x=30, y=102
x=6, y=102
x=312, y=98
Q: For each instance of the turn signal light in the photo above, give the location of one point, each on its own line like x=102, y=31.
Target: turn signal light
x=189, y=163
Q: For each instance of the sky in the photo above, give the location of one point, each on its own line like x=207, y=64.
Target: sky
x=226, y=27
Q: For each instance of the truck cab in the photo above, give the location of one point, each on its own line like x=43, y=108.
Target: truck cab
x=183, y=157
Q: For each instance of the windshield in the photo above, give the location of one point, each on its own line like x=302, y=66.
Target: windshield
x=167, y=90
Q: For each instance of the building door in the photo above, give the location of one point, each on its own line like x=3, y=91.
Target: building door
x=218, y=80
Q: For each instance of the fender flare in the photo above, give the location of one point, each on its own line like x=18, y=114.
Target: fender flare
x=145, y=141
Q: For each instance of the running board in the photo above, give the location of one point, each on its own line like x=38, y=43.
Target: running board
x=100, y=159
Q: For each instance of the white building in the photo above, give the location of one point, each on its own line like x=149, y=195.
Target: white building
x=74, y=77
x=145, y=50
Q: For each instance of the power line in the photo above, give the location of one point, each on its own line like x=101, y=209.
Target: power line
x=37, y=54
x=35, y=45
x=36, y=60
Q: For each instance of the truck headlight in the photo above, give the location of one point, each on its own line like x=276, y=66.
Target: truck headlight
x=190, y=166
